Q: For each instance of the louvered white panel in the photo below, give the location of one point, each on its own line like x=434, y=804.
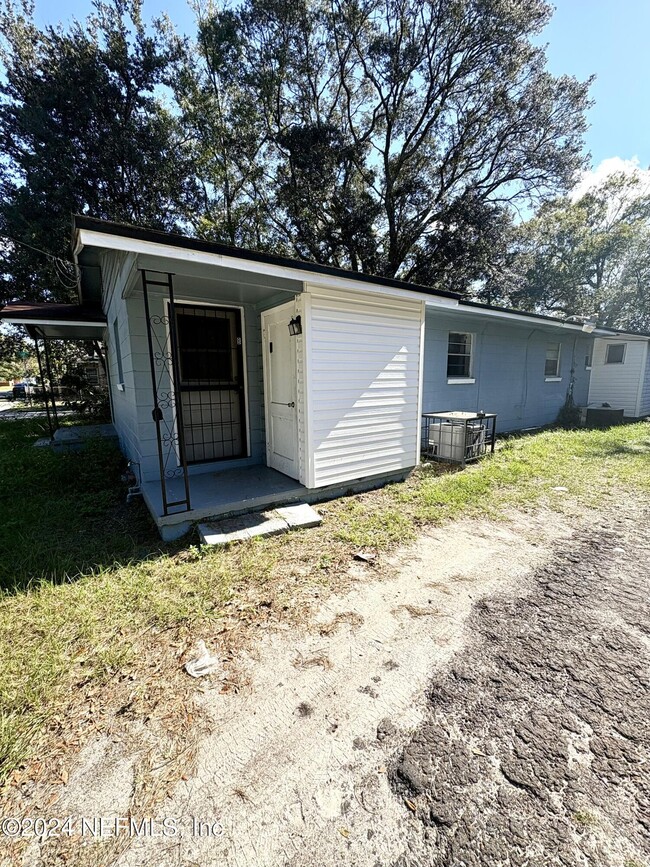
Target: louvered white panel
x=364, y=381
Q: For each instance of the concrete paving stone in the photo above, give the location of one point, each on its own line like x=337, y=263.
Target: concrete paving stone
x=300, y=515
x=241, y=528
x=270, y=525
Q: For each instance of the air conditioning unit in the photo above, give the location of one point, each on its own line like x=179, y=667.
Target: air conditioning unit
x=456, y=442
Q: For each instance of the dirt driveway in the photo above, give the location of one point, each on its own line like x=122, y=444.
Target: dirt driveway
x=535, y=748
x=481, y=698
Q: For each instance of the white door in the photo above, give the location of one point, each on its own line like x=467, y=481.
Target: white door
x=280, y=390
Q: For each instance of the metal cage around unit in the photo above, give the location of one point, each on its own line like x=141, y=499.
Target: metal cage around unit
x=458, y=437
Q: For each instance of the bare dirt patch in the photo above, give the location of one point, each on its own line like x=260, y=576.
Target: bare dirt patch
x=294, y=762
x=535, y=742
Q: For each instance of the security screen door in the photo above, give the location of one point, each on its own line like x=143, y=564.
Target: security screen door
x=212, y=389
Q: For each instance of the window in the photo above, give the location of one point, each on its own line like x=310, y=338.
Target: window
x=615, y=353
x=459, y=355
x=118, y=355
x=552, y=366
x=588, y=361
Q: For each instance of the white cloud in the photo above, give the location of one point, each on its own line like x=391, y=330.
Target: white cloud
x=612, y=165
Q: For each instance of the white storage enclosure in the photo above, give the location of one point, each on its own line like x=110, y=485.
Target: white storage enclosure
x=620, y=374
x=363, y=371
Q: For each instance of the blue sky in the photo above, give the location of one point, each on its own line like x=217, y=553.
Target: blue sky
x=608, y=39
x=585, y=37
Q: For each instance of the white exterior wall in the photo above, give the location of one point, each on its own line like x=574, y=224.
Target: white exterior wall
x=644, y=408
x=620, y=385
x=363, y=374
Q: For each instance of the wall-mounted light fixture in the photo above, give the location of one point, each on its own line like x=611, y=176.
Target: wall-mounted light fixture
x=295, y=326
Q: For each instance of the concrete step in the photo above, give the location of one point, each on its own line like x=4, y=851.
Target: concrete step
x=75, y=437
x=255, y=524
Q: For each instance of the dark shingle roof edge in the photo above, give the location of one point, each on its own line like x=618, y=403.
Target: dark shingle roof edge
x=175, y=239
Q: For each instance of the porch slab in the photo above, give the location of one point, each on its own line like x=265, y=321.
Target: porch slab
x=223, y=494
x=216, y=496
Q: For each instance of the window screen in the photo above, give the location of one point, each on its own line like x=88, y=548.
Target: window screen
x=615, y=353
x=207, y=345
x=459, y=354
x=552, y=366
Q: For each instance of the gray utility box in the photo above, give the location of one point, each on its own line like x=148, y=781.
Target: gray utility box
x=600, y=416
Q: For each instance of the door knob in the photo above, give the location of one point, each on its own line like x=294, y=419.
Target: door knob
x=291, y=404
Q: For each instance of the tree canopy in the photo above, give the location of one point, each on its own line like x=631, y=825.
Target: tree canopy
x=391, y=137
x=83, y=129
x=386, y=136
x=590, y=255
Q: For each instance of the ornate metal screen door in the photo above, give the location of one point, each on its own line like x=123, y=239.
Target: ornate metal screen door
x=211, y=382
x=167, y=412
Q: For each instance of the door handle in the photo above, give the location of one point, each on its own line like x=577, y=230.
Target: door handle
x=292, y=403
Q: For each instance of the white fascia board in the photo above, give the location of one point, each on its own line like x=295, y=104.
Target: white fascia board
x=22, y=320
x=603, y=334
x=89, y=238
x=518, y=317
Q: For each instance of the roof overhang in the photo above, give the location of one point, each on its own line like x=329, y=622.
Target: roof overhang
x=56, y=321
x=606, y=334
x=535, y=321
x=148, y=244
x=153, y=248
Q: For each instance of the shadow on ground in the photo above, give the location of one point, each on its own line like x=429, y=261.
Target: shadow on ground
x=65, y=515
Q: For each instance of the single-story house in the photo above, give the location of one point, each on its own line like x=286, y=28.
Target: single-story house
x=240, y=379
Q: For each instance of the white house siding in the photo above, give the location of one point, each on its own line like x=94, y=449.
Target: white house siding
x=363, y=382
x=619, y=385
x=644, y=409
x=507, y=369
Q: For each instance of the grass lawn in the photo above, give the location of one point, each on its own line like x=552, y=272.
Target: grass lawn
x=94, y=604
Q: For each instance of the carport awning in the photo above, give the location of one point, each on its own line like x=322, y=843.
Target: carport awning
x=60, y=321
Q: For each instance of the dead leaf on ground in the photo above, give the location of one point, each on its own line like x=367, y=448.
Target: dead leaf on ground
x=312, y=661
x=416, y=610
x=350, y=617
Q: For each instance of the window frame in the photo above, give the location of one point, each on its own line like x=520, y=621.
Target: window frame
x=467, y=377
x=118, y=355
x=555, y=376
x=617, y=345
x=223, y=368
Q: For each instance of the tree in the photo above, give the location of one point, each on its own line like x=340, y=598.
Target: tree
x=84, y=129
x=589, y=256
x=374, y=135
x=16, y=355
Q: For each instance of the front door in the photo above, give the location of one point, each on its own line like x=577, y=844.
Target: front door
x=280, y=390
x=212, y=388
